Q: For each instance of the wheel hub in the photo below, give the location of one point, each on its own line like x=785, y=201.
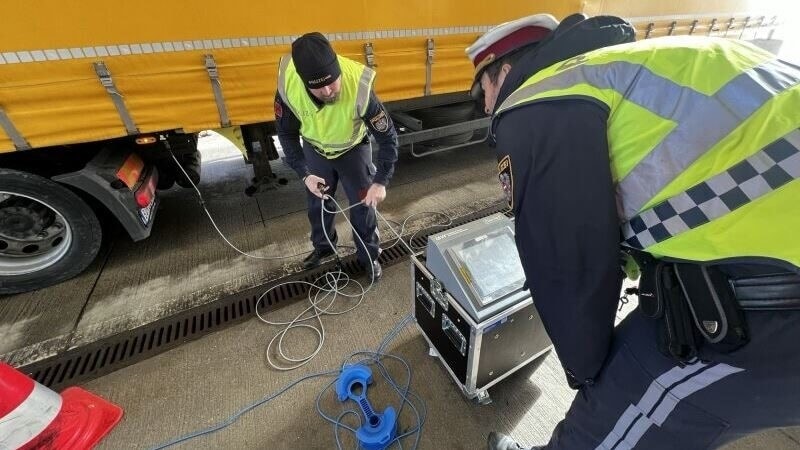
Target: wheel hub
x=31, y=234
x=20, y=223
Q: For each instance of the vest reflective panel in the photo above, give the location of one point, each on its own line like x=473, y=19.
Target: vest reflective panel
x=337, y=127
x=703, y=140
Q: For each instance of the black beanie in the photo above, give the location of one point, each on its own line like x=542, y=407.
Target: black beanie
x=315, y=60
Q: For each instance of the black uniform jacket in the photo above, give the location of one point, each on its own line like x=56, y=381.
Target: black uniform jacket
x=554, y=165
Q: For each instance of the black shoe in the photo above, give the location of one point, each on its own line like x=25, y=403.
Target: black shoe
x=315, y=257
x=499, y=441
x=374, y=274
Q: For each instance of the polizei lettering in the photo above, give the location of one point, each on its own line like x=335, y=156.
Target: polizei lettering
x=320, y=80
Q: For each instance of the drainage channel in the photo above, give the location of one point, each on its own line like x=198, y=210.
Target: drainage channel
x=123, y=349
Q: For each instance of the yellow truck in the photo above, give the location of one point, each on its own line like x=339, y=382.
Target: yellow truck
x=96, y=97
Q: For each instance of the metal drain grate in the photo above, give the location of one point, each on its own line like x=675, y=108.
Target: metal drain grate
x=117, y=351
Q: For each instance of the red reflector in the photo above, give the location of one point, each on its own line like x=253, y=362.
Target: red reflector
x=131, y=170
x=147, y=191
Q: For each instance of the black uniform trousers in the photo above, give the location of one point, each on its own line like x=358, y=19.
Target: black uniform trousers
x=644, y=400
x=355, y=170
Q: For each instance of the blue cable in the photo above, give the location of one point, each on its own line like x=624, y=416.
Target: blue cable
x=374, y=358
x=233, y=418
x=404, y=393
x=405, y=398
x=339, y=422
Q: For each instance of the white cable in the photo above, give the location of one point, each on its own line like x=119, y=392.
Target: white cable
x=339, y=210
x=331, y=285
x=330, y=288
x=214, y=223
x=413, y=236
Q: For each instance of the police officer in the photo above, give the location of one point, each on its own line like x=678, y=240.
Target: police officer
x=329, y=101
x=685, y=152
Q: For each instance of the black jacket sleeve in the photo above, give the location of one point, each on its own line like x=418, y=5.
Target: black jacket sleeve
x=288, y=127
x=567, y=228
x=382, y=129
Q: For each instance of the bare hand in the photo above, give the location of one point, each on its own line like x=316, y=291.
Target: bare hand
x=375, y=195
x=313, y=184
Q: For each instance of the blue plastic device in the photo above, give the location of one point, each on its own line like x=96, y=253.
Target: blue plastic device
x=378, y=430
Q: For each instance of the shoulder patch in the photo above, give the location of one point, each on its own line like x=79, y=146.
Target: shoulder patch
x=380, y=122
x=278, y=110
x=506, y=177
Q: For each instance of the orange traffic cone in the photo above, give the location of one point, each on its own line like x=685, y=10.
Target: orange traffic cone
x=35, y=417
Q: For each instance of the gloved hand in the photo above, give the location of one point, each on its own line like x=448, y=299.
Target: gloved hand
x=315, y=185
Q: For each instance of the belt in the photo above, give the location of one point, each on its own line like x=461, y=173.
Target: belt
x=768, y=292
x=700, y=305
x=767, y=287
x=331, y=155
x=339, y=153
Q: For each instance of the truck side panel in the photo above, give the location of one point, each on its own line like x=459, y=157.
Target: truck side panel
x=154, y=51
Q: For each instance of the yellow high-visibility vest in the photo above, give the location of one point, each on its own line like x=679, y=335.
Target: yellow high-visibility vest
x=703, y=140
x=334, y=128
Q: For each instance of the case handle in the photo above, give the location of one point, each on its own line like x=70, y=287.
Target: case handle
x=455, y=336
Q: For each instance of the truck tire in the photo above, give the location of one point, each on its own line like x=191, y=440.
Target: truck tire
x=47, y=233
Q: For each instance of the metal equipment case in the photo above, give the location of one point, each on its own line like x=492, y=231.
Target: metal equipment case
x=477, y=355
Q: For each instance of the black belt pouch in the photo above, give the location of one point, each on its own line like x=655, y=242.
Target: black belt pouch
x=714, y=309
x=661, y=298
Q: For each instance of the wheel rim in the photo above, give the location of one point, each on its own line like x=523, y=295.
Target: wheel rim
x=33, y=234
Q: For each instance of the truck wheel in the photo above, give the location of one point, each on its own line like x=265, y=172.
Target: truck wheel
x=47, y=233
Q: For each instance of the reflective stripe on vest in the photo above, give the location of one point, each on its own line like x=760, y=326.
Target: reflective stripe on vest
x=343, y=126
x=703, y=143
x=756, y=176
x=701, y=119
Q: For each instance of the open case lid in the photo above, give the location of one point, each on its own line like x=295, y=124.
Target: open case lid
x=478, y=264
x=489, y=265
